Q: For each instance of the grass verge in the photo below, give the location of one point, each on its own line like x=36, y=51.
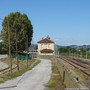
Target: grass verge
x=15, y=73
x=56, y=82
x=81, y=76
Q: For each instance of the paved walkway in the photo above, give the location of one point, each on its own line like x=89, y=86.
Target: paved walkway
x=3, y=56
x=3, y=65
x=35, y=79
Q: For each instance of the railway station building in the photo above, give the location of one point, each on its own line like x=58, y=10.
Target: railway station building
x=46, y=47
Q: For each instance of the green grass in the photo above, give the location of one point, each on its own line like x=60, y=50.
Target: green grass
x=88, y=56
x=55, y=82
x=51, y=83
x=1, y=81
x=81, y=76
x=18, y=73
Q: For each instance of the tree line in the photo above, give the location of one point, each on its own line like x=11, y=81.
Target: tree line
x=75, y=51
x=19, y=28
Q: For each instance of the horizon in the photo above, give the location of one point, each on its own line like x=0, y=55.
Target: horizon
x=66, y=22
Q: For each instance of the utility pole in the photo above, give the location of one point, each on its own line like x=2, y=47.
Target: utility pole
x=32, y=49
x=9, y=49
x=77, y=51
x=86, y=52
x=69, y=51
x=81, y=52
x=16, y=51
x=27, y=50
x=56, y=51
x=72, y=52
x=9, y=46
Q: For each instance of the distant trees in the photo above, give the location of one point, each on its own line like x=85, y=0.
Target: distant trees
x=20, y=28
x=68, y=50
x=1, y=49
x=75, y=51
x=63, y=50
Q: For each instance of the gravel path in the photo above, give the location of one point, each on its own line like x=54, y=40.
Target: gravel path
x=35, y=79
x=3, y=65
x=3, y=56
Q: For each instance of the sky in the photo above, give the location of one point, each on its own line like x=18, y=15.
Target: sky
x=67, y=22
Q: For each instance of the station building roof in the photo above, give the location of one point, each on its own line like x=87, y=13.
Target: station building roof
x=46, y=40
x=46, y=51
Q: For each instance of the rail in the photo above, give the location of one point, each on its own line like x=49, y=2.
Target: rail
x=81, y=68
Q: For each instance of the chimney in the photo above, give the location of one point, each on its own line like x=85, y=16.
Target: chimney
x=48, y=37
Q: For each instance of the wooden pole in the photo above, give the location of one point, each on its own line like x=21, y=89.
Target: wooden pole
x=16, y=51
x=27, y=51
x=9, y=49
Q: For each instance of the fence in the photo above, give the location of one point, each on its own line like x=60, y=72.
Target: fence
x=45, y=56
x=70, y=79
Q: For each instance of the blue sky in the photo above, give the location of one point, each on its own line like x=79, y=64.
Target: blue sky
x=67, y=22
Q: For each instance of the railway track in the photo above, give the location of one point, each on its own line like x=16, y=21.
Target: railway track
x=3, y=71
x=81, y=60
x=81, y=64
x=82, y=68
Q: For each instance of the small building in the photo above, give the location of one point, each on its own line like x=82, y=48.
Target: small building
x=46, y=47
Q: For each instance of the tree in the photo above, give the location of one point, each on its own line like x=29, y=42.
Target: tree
x=63, y=50
x=19, y=25
x=1, y=50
